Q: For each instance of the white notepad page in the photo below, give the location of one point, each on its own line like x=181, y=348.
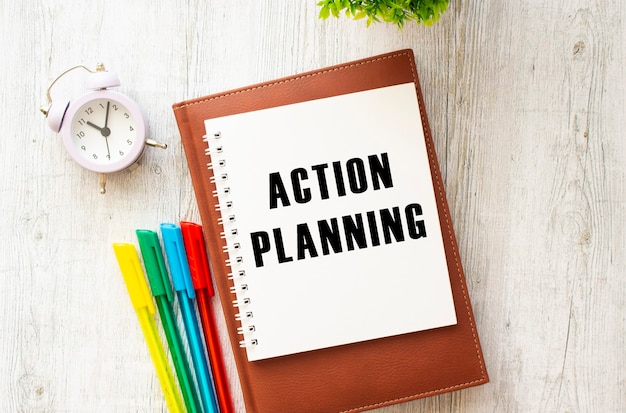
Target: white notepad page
x=342, y=163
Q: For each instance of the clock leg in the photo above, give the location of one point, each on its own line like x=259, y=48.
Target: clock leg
x=156, y=144
x=103, y=183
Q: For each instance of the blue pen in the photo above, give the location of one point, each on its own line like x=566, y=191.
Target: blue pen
x=181, y=277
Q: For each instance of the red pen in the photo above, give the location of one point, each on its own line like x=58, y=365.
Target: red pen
x=201, y=277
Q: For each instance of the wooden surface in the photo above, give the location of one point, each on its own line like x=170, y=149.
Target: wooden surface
x=526, y=103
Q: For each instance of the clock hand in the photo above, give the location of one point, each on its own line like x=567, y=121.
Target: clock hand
x=106, y=116
x=106, y=131
x=108, y=150
x=94, y=126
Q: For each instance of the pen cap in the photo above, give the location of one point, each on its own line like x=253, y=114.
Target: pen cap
x=155, y=263
x=134, y=277
x=177, y=258
x=197, y=256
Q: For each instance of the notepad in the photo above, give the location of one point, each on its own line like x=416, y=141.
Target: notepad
x=330, y=239
x=336, y=223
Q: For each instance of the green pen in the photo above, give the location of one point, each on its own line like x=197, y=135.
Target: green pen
x=162, y=291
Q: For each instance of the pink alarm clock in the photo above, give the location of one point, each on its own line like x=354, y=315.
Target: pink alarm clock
x=103, y=130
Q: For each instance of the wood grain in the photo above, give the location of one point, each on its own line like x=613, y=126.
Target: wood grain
x=526, y=104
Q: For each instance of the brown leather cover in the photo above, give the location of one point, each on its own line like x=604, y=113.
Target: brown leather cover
x=352, y=377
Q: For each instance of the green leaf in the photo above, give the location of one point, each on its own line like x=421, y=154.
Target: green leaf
x=360, y=15
x=324, y=12
x=397, y=12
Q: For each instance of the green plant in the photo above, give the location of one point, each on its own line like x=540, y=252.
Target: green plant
x=398, y=12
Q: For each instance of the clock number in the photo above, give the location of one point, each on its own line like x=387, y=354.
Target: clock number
x=95, y=156
x=114, y=106
x=101, y=105
x=83, y=148
x=80, y=134
x=128, y=141
x=126, y=115
x=121, y=153
x=89, y=110
x=131, y=128
x=81, y=121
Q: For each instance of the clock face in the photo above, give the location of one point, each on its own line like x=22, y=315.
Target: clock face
x=104, y=131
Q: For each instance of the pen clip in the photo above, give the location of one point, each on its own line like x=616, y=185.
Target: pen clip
x=155, y=263
x=177, y=258
x=197, y=256
x=134, y=277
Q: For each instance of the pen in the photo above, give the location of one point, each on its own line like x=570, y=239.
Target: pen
x=201, y=277
x=179, y=268
x=162, y=291
x=140, y=297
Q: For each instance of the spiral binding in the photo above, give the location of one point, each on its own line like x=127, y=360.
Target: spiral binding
x=232, y=248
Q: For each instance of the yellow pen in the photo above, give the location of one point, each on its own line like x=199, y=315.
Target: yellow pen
x=142, y=302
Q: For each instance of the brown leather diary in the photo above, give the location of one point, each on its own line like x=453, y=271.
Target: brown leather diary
x=357, y=372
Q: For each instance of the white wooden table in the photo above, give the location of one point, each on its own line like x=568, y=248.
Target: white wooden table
x=526, y=103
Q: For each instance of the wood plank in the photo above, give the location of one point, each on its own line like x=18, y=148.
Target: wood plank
x=527, y=109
